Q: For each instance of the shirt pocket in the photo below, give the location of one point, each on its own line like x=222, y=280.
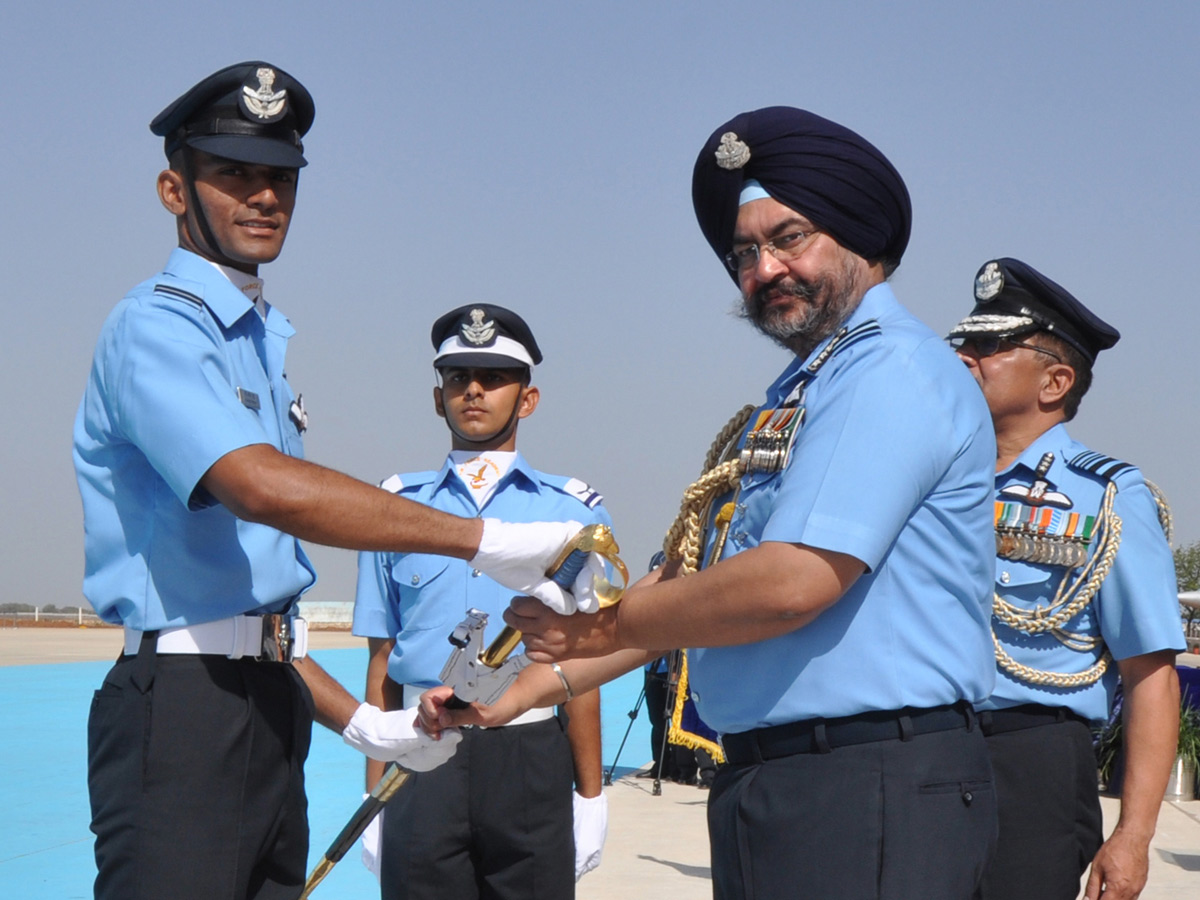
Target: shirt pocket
x=1028, y=585
x=424, y=587
x=1025, y=580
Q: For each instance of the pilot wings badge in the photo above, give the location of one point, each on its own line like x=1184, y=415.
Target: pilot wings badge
x=1039, y=493
x=477, y=331
x=264, y=102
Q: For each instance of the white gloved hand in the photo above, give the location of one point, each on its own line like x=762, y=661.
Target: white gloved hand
x=394, y=737
x=517, y=555
x=371, y=837
x=584, y=591
x=591, y=828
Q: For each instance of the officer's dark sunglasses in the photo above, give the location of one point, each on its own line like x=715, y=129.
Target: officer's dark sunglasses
x=984, y=345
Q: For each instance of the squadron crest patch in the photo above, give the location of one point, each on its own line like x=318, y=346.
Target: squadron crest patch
x=263, y=102
x=733, y=152
x=477, y=332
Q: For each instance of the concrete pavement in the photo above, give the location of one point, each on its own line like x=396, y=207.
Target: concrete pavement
x=657, y=845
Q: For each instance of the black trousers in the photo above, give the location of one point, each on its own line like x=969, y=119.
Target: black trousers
x=656, y=712
x=494, y=822
x=1050, y=821
x=195, y=772
x=888, y=820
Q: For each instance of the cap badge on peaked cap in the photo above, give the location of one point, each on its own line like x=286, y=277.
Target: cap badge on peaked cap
x=478, y=332
x=733, y=152
x=263, y=102
x=989, y=282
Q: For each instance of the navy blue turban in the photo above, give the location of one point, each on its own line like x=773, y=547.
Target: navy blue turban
x=820, y=169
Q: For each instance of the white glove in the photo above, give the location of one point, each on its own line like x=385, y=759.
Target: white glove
x=517, y=555
x=370, y=842
x=393, y=737
x=584, y=591
x=591, y=828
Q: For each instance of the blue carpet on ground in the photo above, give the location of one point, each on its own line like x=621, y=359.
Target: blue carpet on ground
x=45, y=844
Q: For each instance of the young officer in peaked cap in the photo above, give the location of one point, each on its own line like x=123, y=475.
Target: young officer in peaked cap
x=501, y=821
x=188, y=450
x=838, y=620
x=1084, y=592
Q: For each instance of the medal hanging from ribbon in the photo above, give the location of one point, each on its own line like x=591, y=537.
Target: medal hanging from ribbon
x=769, y=442
x=1040, y=534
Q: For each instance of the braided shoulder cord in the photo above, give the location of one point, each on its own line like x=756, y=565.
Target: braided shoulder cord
x=685, y=536
x=1056, y=679
x=1165, y=518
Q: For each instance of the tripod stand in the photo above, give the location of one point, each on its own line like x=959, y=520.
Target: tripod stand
x=671, y=676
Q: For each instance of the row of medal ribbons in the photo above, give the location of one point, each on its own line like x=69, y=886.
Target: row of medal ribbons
x=1040, y=534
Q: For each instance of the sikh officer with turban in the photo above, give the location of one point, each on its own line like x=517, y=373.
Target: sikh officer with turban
x=839, y=618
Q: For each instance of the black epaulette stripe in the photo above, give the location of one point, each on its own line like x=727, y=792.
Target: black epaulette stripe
x=178, y=293
x=862, y=332
x=838, y=344
x=1099, y=464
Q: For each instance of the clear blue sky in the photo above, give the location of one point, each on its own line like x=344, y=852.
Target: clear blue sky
x=538, y=155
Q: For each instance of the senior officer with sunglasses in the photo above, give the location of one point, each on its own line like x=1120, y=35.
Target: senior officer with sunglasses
x=188, y=453
x=839, y=620
x=1085, y=591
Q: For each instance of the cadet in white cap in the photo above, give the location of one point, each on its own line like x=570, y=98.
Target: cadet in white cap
x=189, y=456
x=500, y=820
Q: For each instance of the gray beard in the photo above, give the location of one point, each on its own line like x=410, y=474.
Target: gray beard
x=829, y=304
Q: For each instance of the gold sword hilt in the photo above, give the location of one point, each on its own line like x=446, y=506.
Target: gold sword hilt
x=570, y=562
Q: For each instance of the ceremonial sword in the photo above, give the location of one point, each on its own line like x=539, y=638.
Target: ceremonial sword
x=479, y=675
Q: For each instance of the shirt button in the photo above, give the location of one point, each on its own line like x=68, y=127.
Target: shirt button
x=741, y=507
x=475, y=573
x=1005, y=578
x=416, y=579
x=968, y=797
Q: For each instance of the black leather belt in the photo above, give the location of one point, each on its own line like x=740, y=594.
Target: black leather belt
x=825, y=735
x=1027, y=715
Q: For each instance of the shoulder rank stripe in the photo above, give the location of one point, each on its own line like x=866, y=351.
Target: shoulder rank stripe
x=178, y=293
x=1098, y=464
x=582, y=492
x=841, y=342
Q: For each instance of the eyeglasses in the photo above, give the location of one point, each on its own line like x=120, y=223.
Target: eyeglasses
x=990, y=346
x=785, y=247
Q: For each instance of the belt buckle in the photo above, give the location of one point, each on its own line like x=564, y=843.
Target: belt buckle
x=278, y=638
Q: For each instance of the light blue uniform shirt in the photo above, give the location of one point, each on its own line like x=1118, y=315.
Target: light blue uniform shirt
x=418, y=598
x=893, y=466
x=184, y=372
x=1136, y=610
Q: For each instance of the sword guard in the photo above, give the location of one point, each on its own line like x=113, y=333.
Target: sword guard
x=484, y=673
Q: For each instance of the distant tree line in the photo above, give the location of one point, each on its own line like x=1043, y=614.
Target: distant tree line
x=49, y=608
x=1187, y=576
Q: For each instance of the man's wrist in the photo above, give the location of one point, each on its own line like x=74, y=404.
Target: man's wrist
x=1134, y=834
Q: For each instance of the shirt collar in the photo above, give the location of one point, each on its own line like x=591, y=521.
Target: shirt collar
x=520, y=466
x=225, y=300
x=1052, y=439
x=877, y=302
